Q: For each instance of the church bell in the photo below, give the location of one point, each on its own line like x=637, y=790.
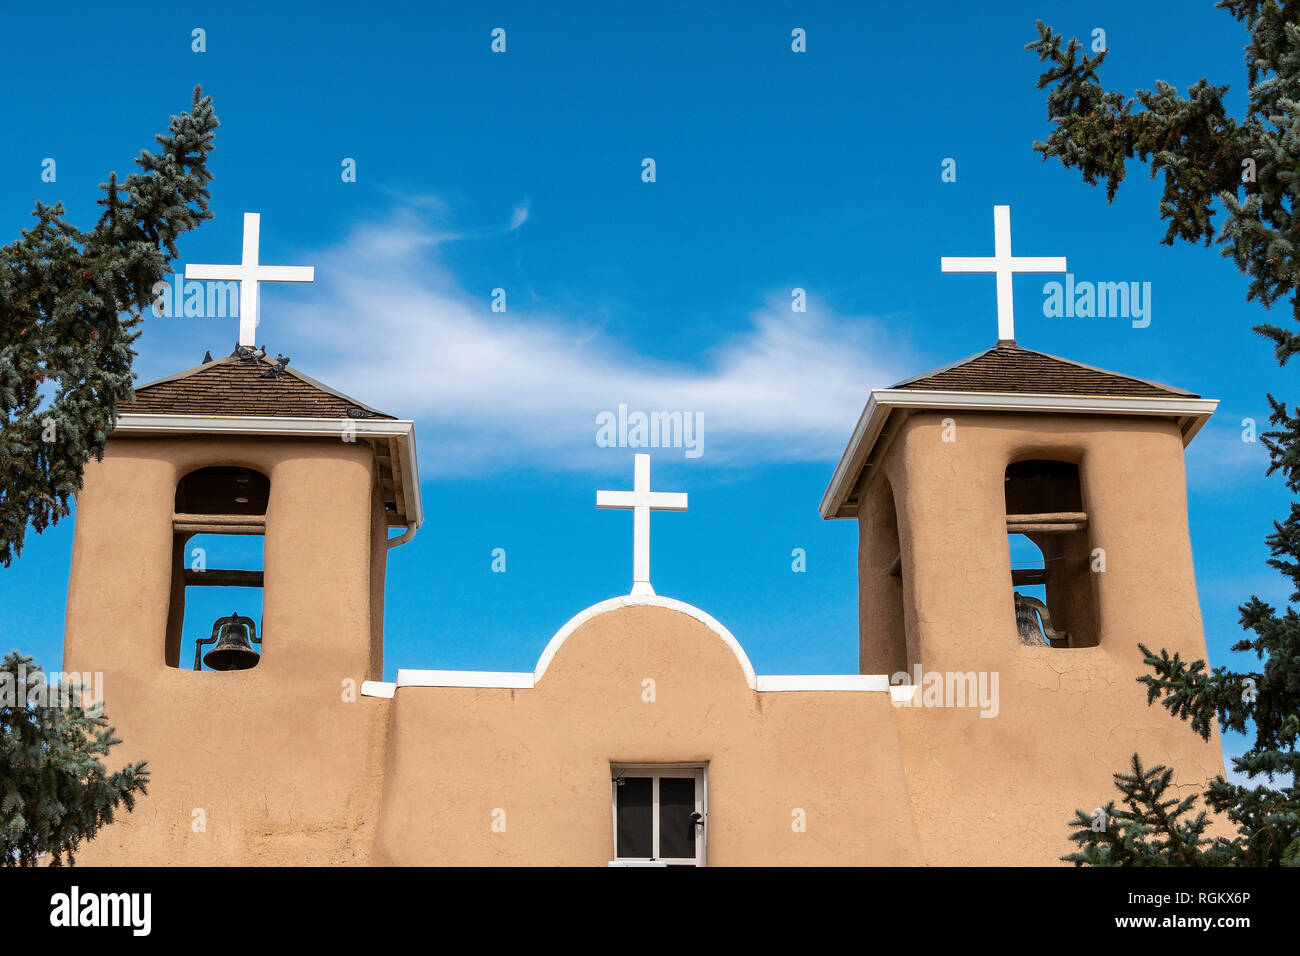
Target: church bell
x=234, y=636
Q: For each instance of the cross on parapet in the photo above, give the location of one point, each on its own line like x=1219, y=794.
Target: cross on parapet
x=1004, y=265
x=641, y=500
x=248, y=274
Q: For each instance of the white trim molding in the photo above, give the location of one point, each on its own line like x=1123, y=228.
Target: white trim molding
x=377, y=688
x=415, y=678
x=901, y=693
x=1190, y=413
x=822, y=682
x=636, y=863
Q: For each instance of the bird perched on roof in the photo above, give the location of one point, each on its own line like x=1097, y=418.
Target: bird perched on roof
x=277, y=369
x=254, y=354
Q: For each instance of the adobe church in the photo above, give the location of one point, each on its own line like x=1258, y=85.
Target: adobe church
x=980, y=718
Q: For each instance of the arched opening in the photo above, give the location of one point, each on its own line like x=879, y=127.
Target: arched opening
x=1053, y=590
x=224, y=489
x=215, y=618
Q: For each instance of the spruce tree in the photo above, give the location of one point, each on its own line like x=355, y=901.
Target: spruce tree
x=1148, y=829
x=55, y=792
x=70, y=302
x=1246, y=168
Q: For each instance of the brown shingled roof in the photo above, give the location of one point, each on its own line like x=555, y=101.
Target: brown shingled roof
x=234, y=386
x=1009, y=368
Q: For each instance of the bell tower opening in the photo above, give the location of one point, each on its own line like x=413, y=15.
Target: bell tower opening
x=214, y=621
x=1050, y=556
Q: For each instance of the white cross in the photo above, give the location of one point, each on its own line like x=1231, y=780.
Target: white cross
x=641, y=500
x=249, y=273
x=1003, y=265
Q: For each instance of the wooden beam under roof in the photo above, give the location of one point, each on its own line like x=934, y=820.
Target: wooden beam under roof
x=399, y=485
x=223, y=578
x=1054, y=522
x=218, y=524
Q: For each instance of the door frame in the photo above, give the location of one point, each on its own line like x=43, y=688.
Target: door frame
x=696, y=769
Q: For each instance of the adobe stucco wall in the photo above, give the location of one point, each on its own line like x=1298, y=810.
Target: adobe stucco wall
x=1001, y=790
x=284, y=770
x=543, y=755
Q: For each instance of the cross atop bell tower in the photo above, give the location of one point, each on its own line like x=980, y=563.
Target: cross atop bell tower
x=1004, y=265
x=249, y=273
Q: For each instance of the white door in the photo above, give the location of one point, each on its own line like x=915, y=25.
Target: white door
x=659, y=814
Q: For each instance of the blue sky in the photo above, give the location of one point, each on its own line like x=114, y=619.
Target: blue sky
x=522, y=171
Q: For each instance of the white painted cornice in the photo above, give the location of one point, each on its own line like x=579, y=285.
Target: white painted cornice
x=1190, y=413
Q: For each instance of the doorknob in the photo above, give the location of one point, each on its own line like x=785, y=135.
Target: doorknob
x=697, y=819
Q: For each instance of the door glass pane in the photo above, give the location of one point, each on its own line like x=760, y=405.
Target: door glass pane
x=676, y=826
x=634, y=835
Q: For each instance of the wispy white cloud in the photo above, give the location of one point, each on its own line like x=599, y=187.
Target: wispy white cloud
x=519, y=216
x=391, y=326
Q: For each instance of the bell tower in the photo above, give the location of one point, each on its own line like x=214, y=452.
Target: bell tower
x=248, y=458
x=1015, y=483
x=1022, y=527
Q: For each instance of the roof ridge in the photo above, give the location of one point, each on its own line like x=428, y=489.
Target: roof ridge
x=246, y=391
x=1009, y=369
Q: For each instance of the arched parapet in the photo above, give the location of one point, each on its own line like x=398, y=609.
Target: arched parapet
x=525, y=680
x=644, y=600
